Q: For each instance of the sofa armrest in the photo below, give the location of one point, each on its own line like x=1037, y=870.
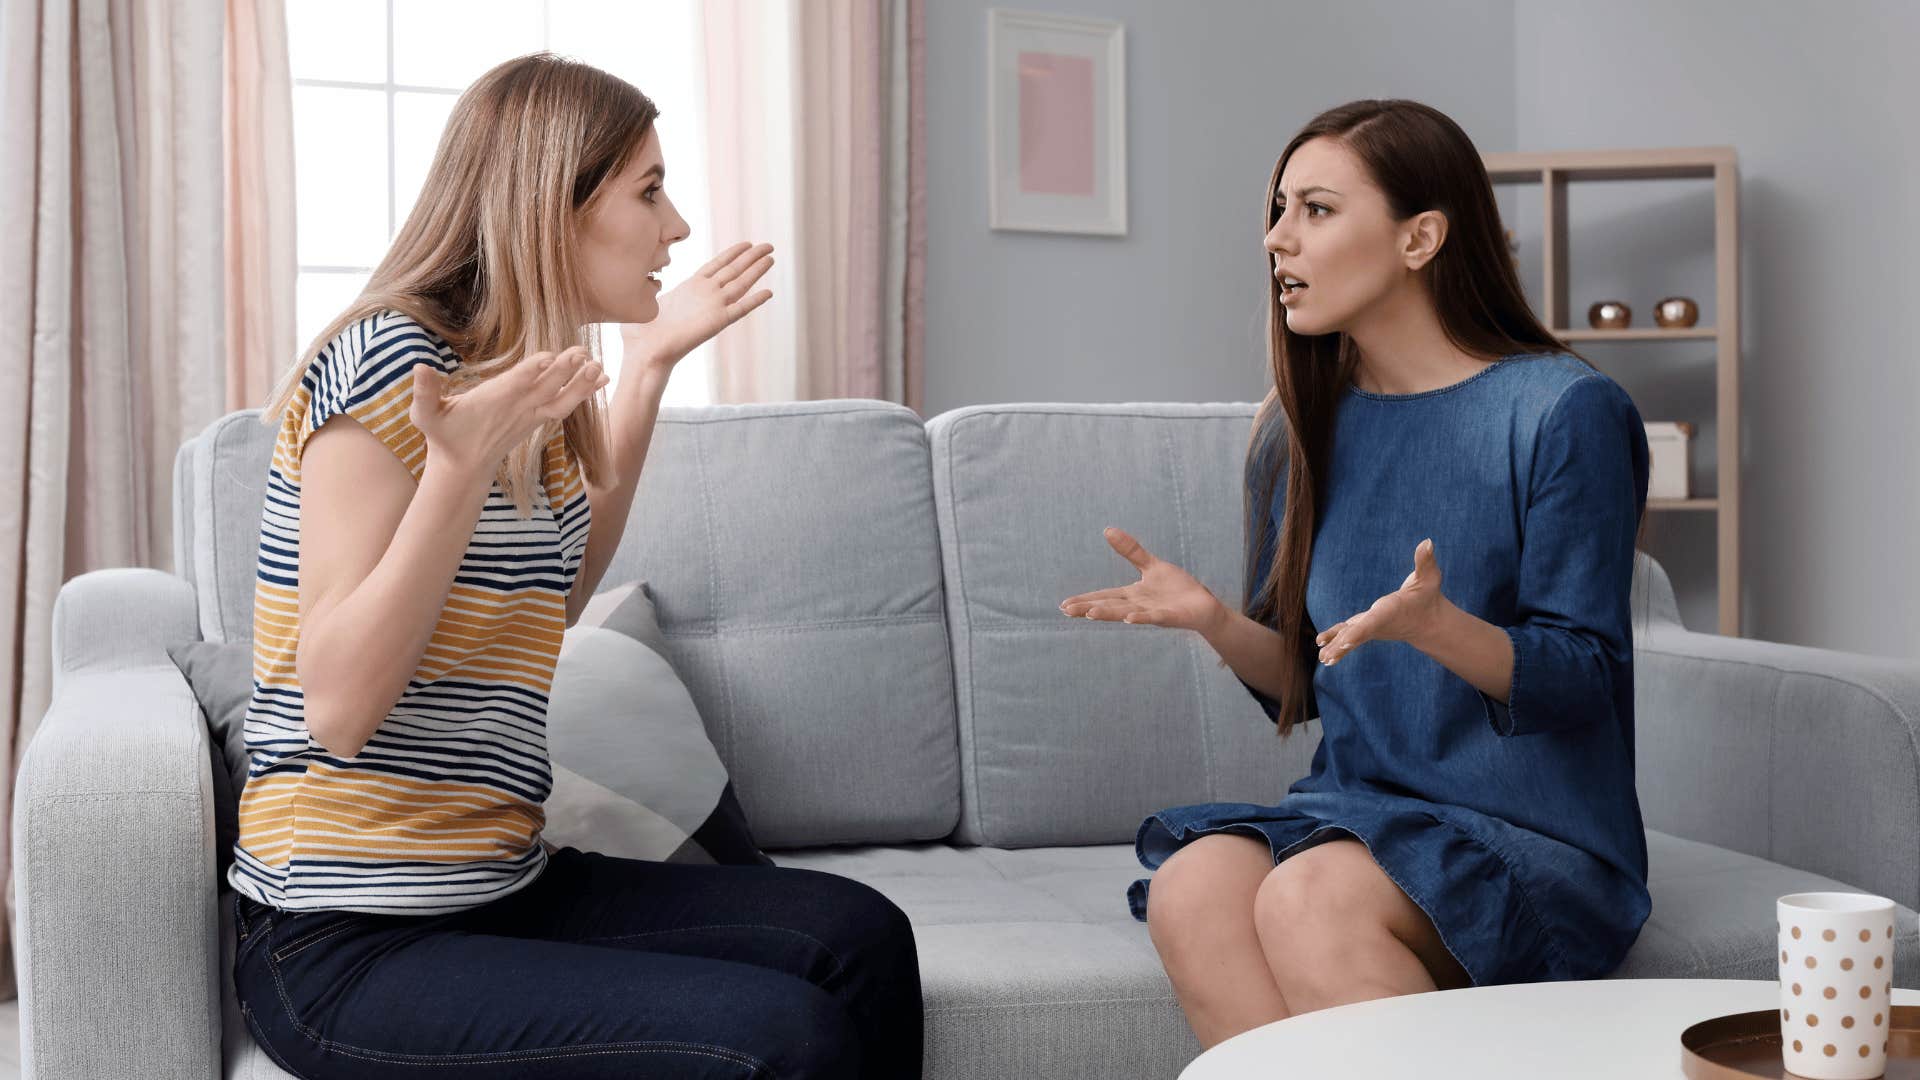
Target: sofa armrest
x=117, y=939
x=1807, y=757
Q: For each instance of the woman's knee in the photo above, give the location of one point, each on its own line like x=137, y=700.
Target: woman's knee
x=858, y=924
x=1208, y=882
x=1312, y=899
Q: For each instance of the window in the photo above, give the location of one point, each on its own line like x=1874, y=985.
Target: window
x=374, y=82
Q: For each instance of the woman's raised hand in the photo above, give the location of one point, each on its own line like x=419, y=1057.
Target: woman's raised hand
x=718, y=295
x=476, y=428
x=1165, y=595
x=1401, y=615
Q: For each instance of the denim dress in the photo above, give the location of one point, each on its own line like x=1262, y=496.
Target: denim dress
x=1513, y=824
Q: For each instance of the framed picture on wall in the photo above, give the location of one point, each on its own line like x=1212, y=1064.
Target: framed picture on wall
x=1056, y=123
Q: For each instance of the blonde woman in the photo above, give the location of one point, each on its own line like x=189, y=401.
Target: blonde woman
x=446, y=491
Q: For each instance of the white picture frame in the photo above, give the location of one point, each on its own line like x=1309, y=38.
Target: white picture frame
x=1056, y=123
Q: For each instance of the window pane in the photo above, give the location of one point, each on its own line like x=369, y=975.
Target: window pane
x=620, y=36
x=319, y=298
x=337, y=39
x=692, y=381
x=340, y=160
x=450, y=43
x=418, y=120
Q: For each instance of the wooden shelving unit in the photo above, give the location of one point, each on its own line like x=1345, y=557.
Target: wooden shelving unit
x=1554, y=171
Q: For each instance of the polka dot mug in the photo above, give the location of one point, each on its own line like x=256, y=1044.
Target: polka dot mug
x=1836, y=984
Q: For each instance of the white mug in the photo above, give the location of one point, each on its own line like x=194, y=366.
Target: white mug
x=1836, y=984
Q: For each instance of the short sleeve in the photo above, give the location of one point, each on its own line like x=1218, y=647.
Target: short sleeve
x=567, y=494
x=367, y=373
x=1572, y=639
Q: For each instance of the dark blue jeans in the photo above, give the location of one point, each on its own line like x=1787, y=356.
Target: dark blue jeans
x=602, y=967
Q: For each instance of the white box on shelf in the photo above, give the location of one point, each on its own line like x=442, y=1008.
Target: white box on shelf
x=1668, y=459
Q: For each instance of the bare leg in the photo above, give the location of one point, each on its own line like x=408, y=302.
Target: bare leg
x=1200, y=913
x=1335, y=929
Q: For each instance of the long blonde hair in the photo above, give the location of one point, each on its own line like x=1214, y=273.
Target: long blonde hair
x=486, y=257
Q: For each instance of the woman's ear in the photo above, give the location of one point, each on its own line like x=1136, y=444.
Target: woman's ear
x=1423, y=233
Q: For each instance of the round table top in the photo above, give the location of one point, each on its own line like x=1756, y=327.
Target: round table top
x=1606, y=1028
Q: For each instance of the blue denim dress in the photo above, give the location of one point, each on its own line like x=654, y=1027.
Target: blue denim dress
x=1513, y=824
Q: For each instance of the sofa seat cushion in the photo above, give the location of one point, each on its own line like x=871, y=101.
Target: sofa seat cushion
x=1714, y=916
x=1032, y=965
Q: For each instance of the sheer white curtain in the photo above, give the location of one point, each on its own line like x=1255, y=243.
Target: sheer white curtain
x=816, y=143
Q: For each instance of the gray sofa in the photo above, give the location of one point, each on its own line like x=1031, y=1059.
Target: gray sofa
x=864, y=607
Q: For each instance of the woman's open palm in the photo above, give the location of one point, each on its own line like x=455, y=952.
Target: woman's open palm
x=1165, y=595
x=477, y=427
x=1398, y=616
x=718, y=295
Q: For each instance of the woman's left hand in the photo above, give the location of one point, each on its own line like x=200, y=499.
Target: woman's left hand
x=714, y=298
x=1402, y=615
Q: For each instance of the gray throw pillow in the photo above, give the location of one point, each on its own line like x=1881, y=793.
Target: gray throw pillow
x=634, y=774
x=221, y=675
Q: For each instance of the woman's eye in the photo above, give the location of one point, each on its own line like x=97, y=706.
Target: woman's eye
x=651, y=193
x=1317, y=210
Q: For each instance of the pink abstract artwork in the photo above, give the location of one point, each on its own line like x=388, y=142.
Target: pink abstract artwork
x=1056, y=124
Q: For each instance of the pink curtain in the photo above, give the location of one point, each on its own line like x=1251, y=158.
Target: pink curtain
x=816, y=141
x=261, y=266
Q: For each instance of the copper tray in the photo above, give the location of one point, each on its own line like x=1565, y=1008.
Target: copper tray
x=1748, y=1044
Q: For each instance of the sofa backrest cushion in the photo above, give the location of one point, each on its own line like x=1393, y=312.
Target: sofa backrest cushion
x=1072, y=731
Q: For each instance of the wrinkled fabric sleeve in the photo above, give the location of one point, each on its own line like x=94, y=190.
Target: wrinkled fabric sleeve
x=1572, y=638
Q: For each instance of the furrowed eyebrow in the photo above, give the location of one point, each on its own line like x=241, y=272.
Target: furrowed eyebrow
x=1280, y=196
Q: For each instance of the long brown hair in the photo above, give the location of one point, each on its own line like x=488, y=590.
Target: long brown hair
x=1422, y=161
x=486, y=257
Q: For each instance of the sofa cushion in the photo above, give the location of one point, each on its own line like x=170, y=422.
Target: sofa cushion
x=792, y=557
x=1072, y=731
x=1032, y=965
x=792, y=553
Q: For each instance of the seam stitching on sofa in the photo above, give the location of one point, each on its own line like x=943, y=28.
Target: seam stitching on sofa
x=1207, y=764
x=966, y=715
x=713, y=599
x=802, y=627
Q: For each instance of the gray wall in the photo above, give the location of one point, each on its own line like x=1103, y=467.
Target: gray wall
x=1820, y=110
x=1173, y=311
x=1817, y=107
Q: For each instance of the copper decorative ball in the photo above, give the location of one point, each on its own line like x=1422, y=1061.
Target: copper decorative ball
x=1609, y=315
x=1676, y=312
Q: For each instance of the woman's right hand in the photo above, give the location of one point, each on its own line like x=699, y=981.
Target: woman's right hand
x=1165, y=595
x=476, y=428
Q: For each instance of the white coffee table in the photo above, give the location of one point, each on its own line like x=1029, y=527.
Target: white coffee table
x=1608, y=1029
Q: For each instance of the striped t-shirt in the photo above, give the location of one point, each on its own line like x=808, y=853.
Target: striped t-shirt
x=441, y=810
